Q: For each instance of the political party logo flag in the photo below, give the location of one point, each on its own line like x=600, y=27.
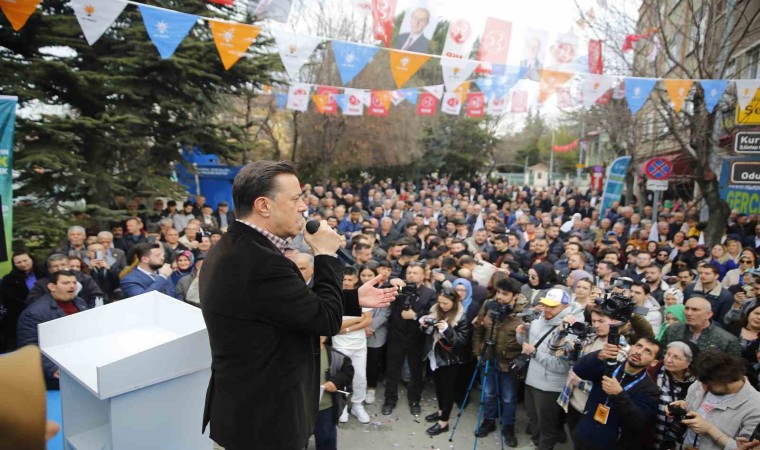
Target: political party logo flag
x=551, y=80
x=298, y=97
x=277, y=10
x=351, y=58
x=380, y=103
x=496, y=106
x=745, y=91
x=476, y=104
x=494, y=44
x=95, y=16
x=320, y=102
x=519, y=102
x=486, y=86
x=456, y=71
x=678, y=90
x=18, y=11
x=281, y=100
x=436, y=90
x=594, y=86
x=7, y=124
x=404, y=65
x=614, y=184
x=637, y=91
x=166, y=28
x=295, y=50
x=354, y=102
x=714, y=90
x=427, y=104
x=400, y=95
x=232, y=40
x=564, y=97
x=595, y=60
x=382, y=20
x=329, y=106
x=459, y=40
x=564, y=54
x=451, y=104
x=502, y=84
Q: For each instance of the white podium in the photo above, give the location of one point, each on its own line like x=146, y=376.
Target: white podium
x=134, y=374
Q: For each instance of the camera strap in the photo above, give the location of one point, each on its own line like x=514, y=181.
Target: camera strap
x=628, y=386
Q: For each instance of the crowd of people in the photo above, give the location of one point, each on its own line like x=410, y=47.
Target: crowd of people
x=530, y=280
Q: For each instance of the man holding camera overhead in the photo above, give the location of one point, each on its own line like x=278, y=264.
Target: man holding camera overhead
x=622, y=405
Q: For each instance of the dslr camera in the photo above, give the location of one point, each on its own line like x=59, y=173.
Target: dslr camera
x=408, y=296
x=498, y=311
x=429, y=322
x=676, y=431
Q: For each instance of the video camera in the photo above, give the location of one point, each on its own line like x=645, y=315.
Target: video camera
x=616, y=304
x=408, y=296
x=498, y=311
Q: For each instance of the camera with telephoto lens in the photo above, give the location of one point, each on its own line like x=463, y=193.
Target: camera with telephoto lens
x=619, y=307
x=408, y=296
x=429, y=322
x=676, y=431
x=498, y=311
x=580, y=329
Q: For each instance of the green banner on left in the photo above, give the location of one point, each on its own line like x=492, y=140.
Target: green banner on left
x=7, y=124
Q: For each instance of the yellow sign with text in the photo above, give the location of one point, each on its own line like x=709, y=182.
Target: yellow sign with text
x=750, y=115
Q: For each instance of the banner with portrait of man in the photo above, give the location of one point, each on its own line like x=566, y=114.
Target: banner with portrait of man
x=417, y=28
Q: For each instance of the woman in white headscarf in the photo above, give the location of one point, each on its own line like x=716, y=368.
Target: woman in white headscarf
x=573, y=223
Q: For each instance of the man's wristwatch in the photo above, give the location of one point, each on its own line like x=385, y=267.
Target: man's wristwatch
x=348, y=330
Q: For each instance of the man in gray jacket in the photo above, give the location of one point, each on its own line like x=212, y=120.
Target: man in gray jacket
x=547, y=372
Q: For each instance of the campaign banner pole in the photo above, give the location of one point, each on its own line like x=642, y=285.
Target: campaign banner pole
x=614, y=184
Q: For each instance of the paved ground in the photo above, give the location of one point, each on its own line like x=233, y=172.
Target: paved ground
x=401, y=430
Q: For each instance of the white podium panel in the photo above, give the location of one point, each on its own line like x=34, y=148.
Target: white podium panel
x=133, y=374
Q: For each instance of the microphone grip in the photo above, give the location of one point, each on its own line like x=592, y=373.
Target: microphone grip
x=312, y=226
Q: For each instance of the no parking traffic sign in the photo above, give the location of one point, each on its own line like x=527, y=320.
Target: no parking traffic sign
x=658, y=169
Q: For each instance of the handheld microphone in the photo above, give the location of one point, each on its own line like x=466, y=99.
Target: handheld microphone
x=312, y=226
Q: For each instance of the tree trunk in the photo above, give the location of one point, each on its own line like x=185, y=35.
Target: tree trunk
x=719, y=210
x=295, y=136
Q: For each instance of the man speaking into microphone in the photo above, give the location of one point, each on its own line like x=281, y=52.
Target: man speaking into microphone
x=263, y=321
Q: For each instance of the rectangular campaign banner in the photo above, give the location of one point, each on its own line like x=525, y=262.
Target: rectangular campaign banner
x=740, y=183
x=7, y=124
x=615, y=182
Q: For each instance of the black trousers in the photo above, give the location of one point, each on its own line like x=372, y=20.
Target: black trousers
x=573, y=418
x=445, y=382
x=375, y=365
x=326, y=431
x=464, y=376
x=398, y=349
x=545, y=416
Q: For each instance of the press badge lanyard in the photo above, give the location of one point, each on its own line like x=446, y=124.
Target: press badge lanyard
x=603, y=411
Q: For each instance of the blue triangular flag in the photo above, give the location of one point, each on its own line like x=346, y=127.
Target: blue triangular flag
x=281, y=100
x=637, y=91
x=411, y=95
x=486, y=86
x=498, y=69
x=351, y=58
x=341, y=100
x=166, y=28
x=714, y=90
x=504, y=83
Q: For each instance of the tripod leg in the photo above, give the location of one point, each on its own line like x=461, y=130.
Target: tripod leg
x=466, y=396
x=499, y=408
x=484, y=380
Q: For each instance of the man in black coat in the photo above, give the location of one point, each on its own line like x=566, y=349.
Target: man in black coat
x=263, y=321
x=87, y=288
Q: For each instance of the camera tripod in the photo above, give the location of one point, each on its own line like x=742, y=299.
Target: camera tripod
x=486, y=363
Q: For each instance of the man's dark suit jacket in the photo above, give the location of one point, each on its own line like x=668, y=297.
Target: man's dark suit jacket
x=420, y=45
x=264, y=325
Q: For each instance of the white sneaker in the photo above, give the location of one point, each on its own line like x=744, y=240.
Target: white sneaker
x=344, y=417
x=358, y=411
x=370, y=398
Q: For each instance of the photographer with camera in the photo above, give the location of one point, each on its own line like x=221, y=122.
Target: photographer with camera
x=722, y=411
x=498, y=323
x=405, y=340
x=622, y=407
x=586, y=339
x=446, y=331
x=673, y=377
x=547, y=372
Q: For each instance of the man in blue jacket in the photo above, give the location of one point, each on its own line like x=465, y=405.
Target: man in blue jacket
x=151, y=273
x=61, y=301
x=622, y=405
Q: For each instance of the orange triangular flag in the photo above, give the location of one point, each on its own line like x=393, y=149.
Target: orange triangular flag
x=404, y=65
x=232, y=40
x=18, y=11
x=384, y=97
x=320, y=102
x=550, y=81
x=678, y=90
x=463, y=89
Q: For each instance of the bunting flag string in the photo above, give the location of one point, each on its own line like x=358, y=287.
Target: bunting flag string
x=96, y=16
x=166, y=28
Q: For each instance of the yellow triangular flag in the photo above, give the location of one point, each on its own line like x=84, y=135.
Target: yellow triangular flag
x=384, y=97
x=550, y=81
x=18, y=11
x=320, y=102
x=463, y=89
x=678, y=90
x=404, y=65
x=232, y=40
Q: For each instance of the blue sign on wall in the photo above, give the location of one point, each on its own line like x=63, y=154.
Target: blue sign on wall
x=214, y=179
x=740, y=184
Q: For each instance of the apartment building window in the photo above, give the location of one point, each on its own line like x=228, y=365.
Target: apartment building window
x=751, y=64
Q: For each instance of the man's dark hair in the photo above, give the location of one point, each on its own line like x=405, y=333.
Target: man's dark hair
x=143, y=250
x=717, y=366
x=61, y=273
x=448, y=263
x=350, y=270
x=577, y=245
x=467, y=259
x=501, y=238
x=508, y=285
x=652, y=341
x=712, y=266
x=607, y=263
x=355, y=209
x=643, y=286
x=361, y=246
x=256, y=180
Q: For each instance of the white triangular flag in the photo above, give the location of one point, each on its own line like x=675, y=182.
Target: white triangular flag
x=745, y=91
x=95, y=16
x=594, y=86
x=295, y=50
x=456, y=71
x=298, y=97
x=435, y=90
x=452, y=103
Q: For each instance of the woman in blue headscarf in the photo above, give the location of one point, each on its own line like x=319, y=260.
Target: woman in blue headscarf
x=463, y=290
